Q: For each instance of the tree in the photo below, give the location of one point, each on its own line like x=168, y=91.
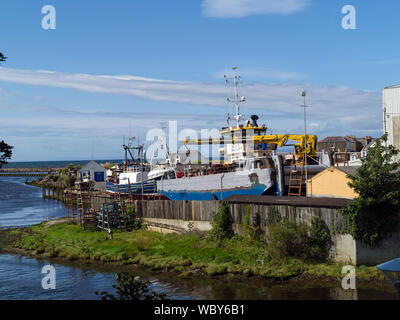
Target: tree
x=2, y=57
x=5, y=153
x=372, y=216
x=5, y=149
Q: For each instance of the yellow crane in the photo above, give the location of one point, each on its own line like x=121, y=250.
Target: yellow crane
x=280, y=140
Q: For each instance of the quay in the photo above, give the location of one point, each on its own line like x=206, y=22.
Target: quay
x=23, y=174
x=28, y=170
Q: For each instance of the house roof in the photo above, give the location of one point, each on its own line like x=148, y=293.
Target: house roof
x=392, y=87
x=343, y=139
x=333, y=139
x=350, y=170
x=92, y=165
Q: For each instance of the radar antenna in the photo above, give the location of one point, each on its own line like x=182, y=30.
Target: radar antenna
x=236, y=100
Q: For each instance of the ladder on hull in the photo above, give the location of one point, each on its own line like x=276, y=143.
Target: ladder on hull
x=296, y=176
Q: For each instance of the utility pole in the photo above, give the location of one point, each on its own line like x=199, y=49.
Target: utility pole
x=141, y=166
x=303, y=94
x=384, y=122
x=222, y=177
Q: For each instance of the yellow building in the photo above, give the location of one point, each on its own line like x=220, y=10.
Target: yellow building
x=332, y=183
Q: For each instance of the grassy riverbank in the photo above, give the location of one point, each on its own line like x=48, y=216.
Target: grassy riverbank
x=187, y=254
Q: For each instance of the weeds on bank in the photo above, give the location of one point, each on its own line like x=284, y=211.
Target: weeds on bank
x=287, y=249
x=7, y=238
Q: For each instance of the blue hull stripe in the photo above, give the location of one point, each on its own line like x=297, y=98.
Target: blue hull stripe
x=198, y=196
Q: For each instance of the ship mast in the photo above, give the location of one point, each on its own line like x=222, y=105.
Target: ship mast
x=236, y=79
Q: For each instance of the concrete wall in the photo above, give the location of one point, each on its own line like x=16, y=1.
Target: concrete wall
x=388, y=249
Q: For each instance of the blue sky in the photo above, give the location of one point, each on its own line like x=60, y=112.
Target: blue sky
x=114, y=69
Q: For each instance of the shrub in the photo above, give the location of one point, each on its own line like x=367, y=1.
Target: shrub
x=130, y=216
x=251, y=233
x=273, y=216
x=70, y=168
x=287, y=239
x=221, y=224
x=320, y=239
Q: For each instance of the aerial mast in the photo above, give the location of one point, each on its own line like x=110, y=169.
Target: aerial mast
x=236, y=80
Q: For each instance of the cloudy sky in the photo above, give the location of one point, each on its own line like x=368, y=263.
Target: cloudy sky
x=117, y=69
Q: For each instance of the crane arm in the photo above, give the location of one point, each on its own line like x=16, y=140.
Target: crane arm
x=279, y=139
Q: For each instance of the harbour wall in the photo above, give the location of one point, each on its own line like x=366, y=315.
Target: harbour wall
x=181, y=216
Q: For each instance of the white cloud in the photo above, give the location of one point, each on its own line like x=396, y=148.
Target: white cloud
x=284, y=98
x=243, y=8
x=84, y=133
x=263, y=73
x=334, y=110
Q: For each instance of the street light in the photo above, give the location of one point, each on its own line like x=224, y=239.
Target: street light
x=303, y=94
x=391, y=271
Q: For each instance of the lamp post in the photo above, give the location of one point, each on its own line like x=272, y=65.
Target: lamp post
x=222, y=177
x=303, y=94
x=141, y=166
x=391, y=271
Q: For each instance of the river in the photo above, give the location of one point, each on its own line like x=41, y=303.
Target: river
x=21, y=277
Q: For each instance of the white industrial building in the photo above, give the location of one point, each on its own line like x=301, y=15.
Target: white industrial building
x=391, y=114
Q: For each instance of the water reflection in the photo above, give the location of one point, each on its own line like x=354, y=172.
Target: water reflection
x=22, y=205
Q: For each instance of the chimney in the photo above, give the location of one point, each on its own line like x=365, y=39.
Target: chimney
x=368, y=139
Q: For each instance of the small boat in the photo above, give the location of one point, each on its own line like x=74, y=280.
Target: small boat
x=134, y=179
x=132, y=182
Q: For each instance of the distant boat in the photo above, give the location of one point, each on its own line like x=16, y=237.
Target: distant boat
x=136, y=179
x=132, y=181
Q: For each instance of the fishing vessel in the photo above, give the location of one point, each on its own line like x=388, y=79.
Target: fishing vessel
x=249, y=165
x=134, y=178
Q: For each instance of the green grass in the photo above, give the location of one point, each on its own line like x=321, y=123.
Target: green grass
x=185, y=254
